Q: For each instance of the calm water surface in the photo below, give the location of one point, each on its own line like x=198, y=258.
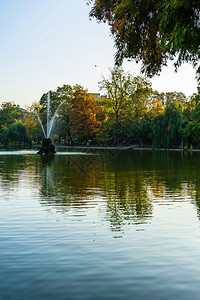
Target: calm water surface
x=104, y=225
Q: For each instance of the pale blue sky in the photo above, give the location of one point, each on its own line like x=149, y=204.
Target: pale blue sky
x=48, y=43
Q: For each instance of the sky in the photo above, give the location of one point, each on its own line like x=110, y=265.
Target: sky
x=48, y=43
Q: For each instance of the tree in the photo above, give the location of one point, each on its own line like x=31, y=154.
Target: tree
x=111, y=132
x=33, y=128
x=116, y=88
x=85, y=115
x=15, y=133
x=140, y=98
x=152, y=31
x=191, y=130
x=165, y=127
x=157, y=108
x=172, y=97
x=60, y=102
x=129, y=98
x=9, y=114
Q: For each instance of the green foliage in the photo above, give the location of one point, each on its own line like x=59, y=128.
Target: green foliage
x=129, y=99
x=175, y=97
x=152, y=31
x=33, y=128
x=191, y=131
x=129, y=113
x=116, y=88
x=142, y=133
x=15, y=133
x=111, y=132
x=9, y=114
x=140, y=97
x=62, y=94
x=60, y=101
x=165, y=128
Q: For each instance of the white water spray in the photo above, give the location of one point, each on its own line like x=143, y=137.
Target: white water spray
x=48, y=114
x=41, y=124
x=50, y=121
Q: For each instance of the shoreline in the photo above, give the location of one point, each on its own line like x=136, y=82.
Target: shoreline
x=121, y=148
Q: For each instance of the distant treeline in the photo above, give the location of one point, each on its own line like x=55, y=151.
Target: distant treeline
x=130, y=112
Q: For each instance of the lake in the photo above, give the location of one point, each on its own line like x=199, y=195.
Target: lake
x=99, y=225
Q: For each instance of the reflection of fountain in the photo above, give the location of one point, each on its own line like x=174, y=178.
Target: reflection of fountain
x=47, y=145
x=48, y=187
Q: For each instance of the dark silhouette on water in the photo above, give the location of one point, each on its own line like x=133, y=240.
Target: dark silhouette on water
x=47, y=147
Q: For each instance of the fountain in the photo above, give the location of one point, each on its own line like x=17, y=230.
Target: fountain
x=47, y=144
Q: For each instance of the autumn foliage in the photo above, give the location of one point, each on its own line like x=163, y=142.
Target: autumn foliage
x=85, y=115
x=130, y=112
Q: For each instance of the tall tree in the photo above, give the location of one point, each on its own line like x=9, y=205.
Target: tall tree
x=64, y=95
x=140, y=98
x=85, y=115
x=116, y=88
x=152, y=31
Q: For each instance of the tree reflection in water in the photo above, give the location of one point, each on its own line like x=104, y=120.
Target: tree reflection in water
x=11, y=168
x=123, y=186
x=79, y=181
x=128, y=181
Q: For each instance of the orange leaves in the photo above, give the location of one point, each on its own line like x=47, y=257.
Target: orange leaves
x=158, y=107
x=85, y=115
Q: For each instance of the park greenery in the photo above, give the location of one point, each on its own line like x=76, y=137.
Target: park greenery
x=129, y=113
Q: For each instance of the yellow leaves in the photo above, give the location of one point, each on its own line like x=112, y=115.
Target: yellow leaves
x=30, y=122
x=4, y=127
x=38, y=107
x=158, y=107
x=84, y=115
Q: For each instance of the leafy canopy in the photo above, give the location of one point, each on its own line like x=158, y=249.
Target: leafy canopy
x=116, y=87
x=152, y=31
x=9, y=114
